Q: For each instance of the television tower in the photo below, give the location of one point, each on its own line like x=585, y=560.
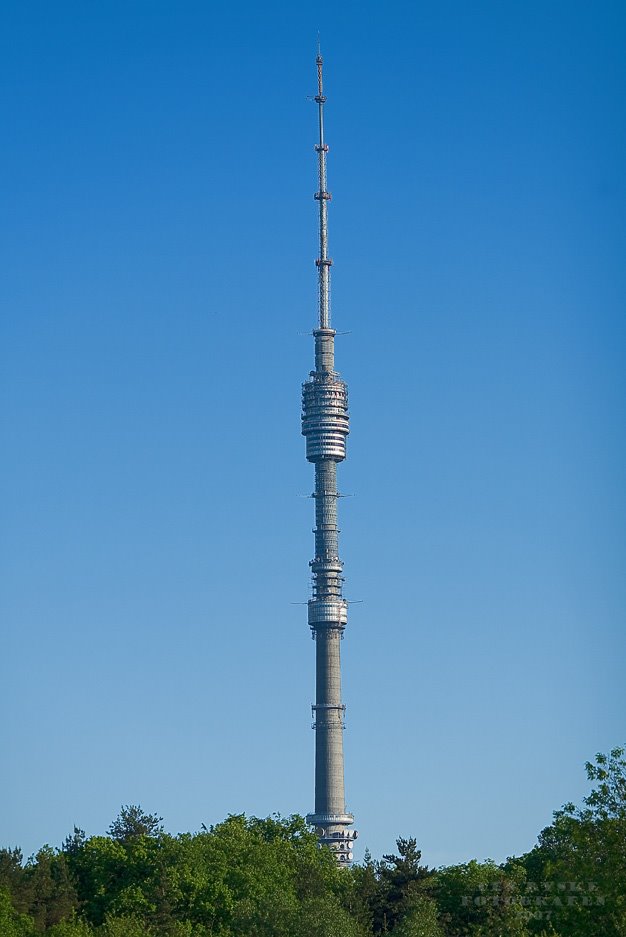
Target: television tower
x=325, y=426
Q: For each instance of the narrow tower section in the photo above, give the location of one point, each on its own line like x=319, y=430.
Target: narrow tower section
x=325, y=426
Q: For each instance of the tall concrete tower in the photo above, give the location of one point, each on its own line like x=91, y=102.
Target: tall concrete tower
x=325, y=426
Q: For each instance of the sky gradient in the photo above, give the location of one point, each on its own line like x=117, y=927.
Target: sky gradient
x=158, y=235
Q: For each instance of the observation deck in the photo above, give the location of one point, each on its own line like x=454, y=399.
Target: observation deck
x=328, y=613
x=325, y=420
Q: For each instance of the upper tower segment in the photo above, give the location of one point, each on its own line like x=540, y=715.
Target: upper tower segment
x=325, y=421
x=324, y=263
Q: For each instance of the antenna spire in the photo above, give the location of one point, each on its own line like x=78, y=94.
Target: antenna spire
x=323, y=262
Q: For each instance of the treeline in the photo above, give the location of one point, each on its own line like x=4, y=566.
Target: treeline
x=248, y=877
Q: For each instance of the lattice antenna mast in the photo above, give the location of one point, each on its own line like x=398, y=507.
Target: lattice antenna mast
x=323, y=262
x=325, y=425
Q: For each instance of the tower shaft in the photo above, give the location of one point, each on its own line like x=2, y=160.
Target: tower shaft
x=325, y=425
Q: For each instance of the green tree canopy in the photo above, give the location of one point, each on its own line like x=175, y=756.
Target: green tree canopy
x=251, y=877
x=131, y=823
x=579, y=864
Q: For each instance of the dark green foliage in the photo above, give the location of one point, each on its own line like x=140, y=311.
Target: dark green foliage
x=481, y=898
x=579, y=864
x=248, y=877
x=48, y=887
x=401, y=879
x=12, y=923
x=74, y=843
x=43, y=888
x=11, y=871
x=384, y=893
x=132, y=823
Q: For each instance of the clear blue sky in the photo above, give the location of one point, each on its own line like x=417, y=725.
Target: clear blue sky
x=158, y=234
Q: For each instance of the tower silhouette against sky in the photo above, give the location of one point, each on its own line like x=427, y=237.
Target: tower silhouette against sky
x=325, y=426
